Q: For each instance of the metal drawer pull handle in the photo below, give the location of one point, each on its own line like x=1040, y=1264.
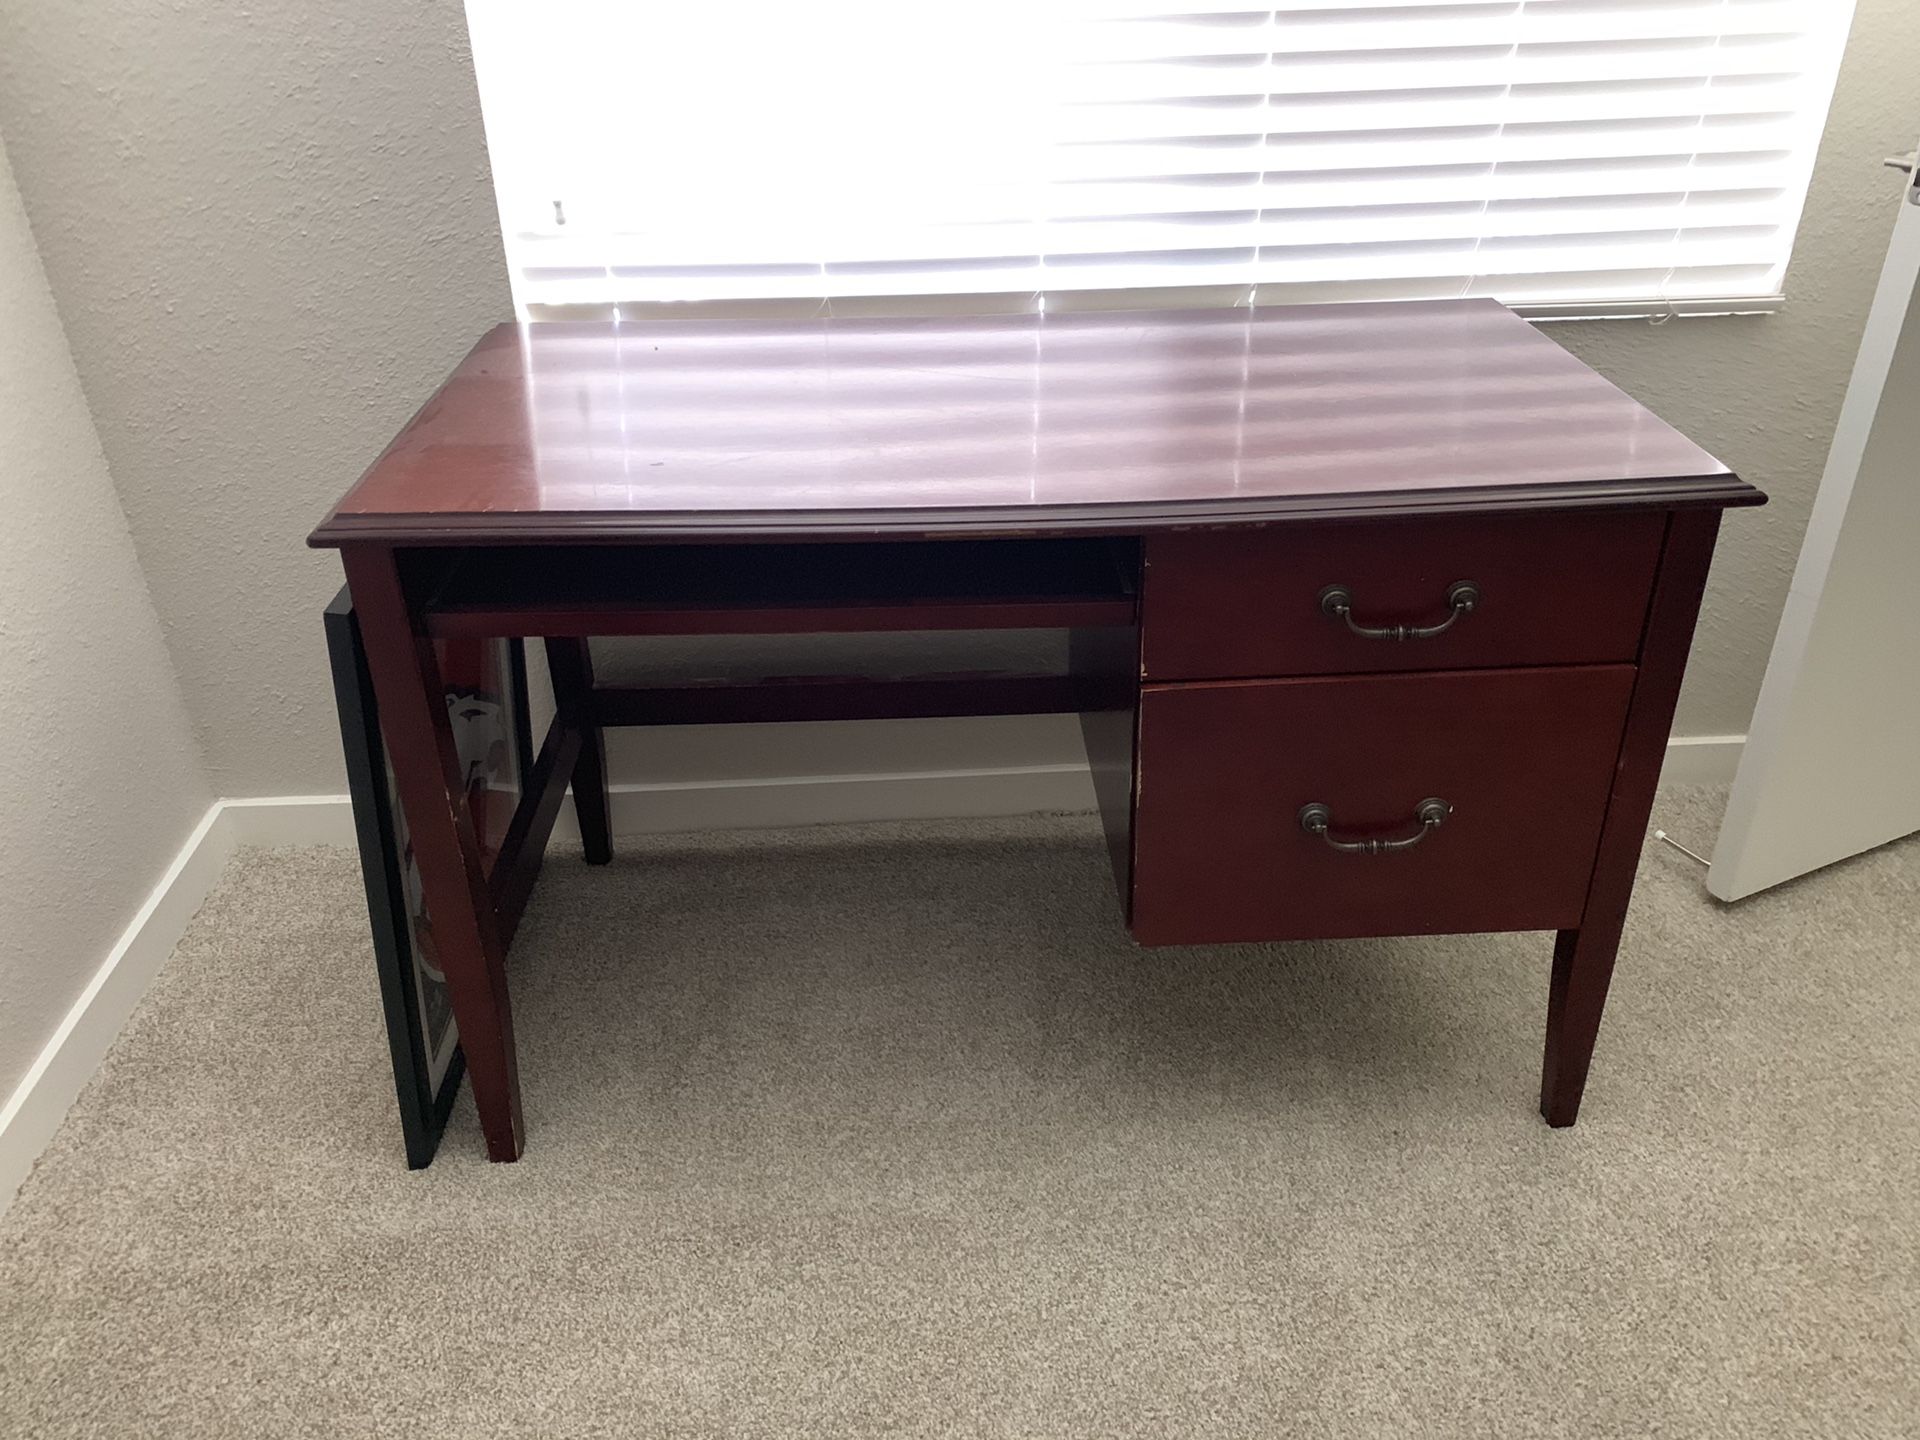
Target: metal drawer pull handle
x=1337, y=601
x=1431, y=813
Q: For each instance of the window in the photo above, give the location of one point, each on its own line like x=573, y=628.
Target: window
x=1594, y=156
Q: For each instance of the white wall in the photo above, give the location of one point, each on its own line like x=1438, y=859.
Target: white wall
x=101, y=778
x=271, y=232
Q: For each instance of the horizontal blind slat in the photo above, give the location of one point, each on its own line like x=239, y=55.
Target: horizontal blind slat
x=848, y=148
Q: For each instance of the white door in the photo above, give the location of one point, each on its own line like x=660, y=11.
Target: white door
x=1832, y=765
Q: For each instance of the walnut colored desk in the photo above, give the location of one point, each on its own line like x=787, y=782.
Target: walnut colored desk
x=1378, y=613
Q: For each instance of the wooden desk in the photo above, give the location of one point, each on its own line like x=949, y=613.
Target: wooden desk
x=1378, y=612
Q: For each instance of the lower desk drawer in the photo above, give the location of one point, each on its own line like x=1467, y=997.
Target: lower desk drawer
x=1523, y=758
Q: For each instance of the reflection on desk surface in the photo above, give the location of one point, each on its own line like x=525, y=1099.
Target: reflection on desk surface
x=1101, y=408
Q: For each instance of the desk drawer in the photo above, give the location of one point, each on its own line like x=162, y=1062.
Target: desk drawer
x=1553, y=590
x=1524, y=758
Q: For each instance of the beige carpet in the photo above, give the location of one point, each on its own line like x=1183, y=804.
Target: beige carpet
x=889, y=1130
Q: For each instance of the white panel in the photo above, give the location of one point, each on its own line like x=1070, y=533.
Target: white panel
x=1832, y=766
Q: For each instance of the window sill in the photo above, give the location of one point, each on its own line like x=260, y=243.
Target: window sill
x=1071, y=301
x=1655, y=310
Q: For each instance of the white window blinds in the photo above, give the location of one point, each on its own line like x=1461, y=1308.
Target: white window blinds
x=1626, y=155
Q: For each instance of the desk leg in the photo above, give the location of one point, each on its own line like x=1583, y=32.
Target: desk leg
x=1583, y=958
x=570, y=664
x=426, y=769
x=1582, y=970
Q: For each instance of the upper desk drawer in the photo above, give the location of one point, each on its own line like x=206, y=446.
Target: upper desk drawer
x=1292, y=600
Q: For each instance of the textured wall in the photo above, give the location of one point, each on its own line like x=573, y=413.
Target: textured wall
x=101, y=778
x=1763, y=392
x=270, y=231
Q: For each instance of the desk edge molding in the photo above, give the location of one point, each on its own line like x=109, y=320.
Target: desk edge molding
x=1721, y=490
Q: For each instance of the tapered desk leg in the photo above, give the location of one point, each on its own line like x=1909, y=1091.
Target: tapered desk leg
x=1583, y=958
x=570, y=664
x=1582, y=969
x=413, y=717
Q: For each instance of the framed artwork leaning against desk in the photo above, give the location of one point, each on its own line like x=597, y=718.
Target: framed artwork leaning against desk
x=486, y=695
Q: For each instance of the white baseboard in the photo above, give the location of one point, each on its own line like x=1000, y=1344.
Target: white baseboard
x=275, y=822
x=54, y=1081
x=659, y=807
x=67, y=1061
x=656, y=807
x=1702, y=759
x=648, y=809
x=34, y=1112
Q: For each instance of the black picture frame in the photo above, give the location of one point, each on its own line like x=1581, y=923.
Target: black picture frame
x=421, y=1036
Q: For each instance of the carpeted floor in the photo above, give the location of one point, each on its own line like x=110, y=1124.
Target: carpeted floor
x=889, y=1130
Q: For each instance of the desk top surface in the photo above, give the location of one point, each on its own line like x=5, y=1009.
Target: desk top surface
x=1013, y=424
